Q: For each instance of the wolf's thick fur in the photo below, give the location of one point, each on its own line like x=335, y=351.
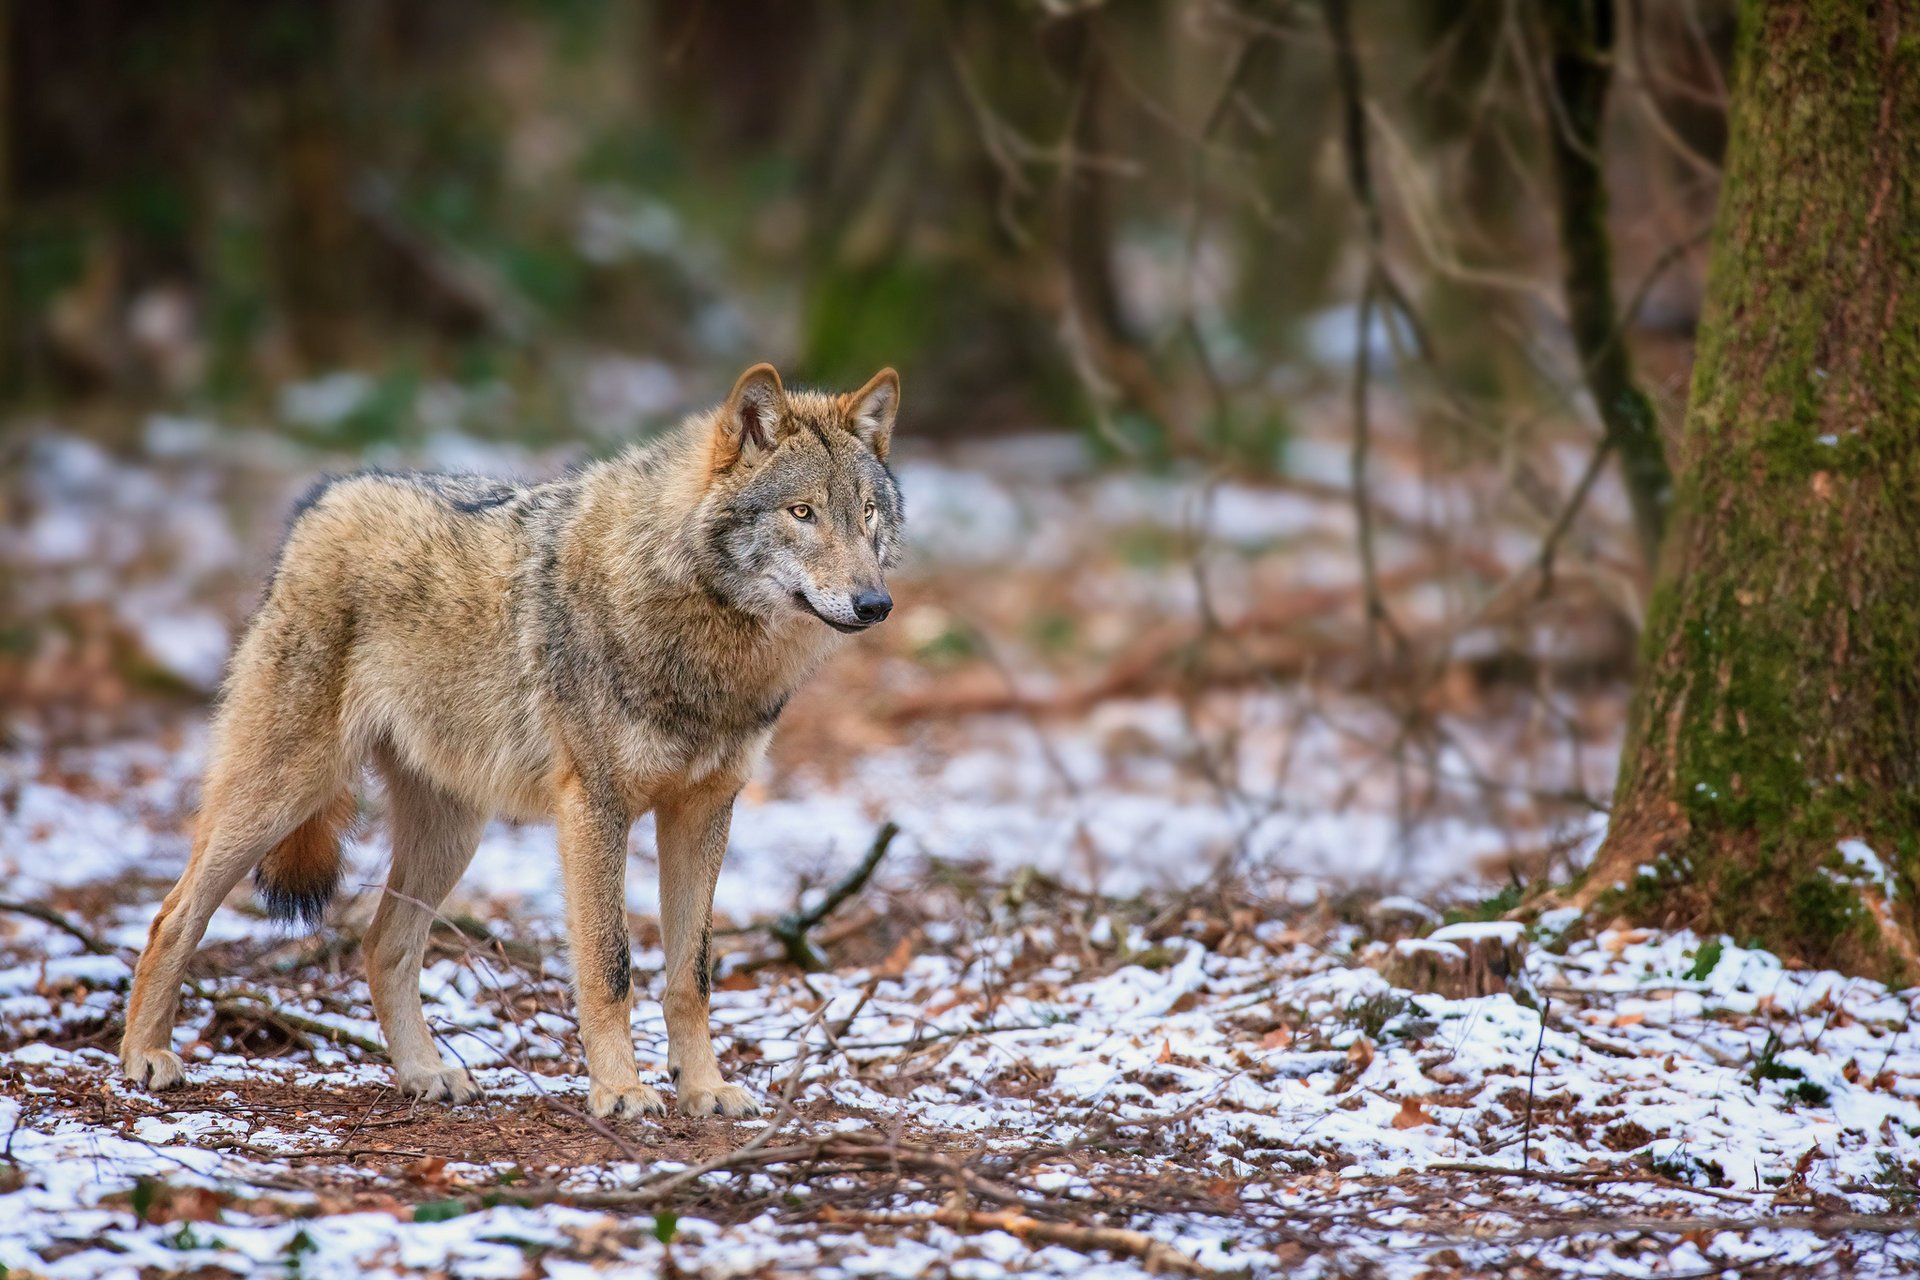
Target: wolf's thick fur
x=618, y=641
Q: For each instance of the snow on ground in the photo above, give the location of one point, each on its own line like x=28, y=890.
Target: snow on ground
x=1254, y=1095
x=1117, y=1002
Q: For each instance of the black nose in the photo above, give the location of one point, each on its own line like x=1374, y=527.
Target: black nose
x=871, y=606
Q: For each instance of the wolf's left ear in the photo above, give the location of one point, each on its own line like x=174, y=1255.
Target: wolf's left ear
x=750, y=420
x=872, y=410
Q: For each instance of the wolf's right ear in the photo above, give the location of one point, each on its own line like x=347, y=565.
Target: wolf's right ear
x=750, y=420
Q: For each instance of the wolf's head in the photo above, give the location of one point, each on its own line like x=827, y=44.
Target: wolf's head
x=801, y=513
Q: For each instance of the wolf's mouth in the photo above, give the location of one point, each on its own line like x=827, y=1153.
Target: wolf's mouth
x=844, y=628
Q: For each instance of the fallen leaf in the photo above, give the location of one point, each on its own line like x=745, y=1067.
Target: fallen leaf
x=1278, y=1038
x=1360, y=1056
x=1629, y=1019
x=1412, y=1115
x=1166, y=1052
x=895, y=965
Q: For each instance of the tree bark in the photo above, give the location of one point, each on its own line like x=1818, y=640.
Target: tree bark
x=1778, y=716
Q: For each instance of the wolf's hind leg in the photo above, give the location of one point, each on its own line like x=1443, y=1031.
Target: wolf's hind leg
x=434, y=836
x=241, y=820
x=693, y=841
x=593, y=862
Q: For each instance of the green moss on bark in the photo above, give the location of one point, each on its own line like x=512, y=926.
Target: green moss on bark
x=1779, y=710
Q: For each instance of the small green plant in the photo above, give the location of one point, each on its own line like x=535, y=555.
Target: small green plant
x=1682, y=1167
x=1768, y=1065
x=1052, y=633
x=665, y=1226
x=1489, y=909
x=438, y=1210
x=1706, y=960
x=186, y=1239
x=141, y=1199
x=1371, y=1014
x=1897, y=1183
x=299, y=1245
x=1806, y=1091
x=948, y=648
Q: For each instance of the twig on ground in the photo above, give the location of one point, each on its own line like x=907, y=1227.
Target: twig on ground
x=1533, y=1069
x=791, y=930
x=248, y=1005
x=94, y=944
x=1157, y=1255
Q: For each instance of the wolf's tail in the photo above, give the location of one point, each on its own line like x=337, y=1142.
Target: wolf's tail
x=299, y=876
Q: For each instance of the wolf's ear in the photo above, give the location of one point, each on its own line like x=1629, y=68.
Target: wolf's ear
x=750, y=420
x=872, y=410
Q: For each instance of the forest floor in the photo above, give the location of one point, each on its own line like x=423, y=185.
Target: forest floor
x=1162, y=974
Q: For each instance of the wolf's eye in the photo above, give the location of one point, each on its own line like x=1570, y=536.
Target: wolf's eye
x=800, y=511
x=867, y=514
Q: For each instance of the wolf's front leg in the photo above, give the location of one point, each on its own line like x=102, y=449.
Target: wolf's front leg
x=693, y=840
x=593, y=862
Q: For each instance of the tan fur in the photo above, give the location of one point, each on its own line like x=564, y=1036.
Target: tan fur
x=584, y=651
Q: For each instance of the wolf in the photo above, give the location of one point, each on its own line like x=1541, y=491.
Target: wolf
x=617, y=641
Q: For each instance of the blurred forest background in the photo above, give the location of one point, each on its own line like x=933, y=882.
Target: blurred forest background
x=1406, y=279
x=1188, y=232
x=1136, y=219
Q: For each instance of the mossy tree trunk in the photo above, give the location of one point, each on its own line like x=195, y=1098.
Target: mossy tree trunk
x=1778, y=718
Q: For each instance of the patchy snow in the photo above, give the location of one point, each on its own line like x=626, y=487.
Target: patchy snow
x=1861, y=858
x=1278, y=1069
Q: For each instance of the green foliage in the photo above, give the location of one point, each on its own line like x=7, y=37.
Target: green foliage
x=1688, y=1169
x=1706, y=960
x=1256, y=439
x=1897, y=1182
x=299, y=1245
x=184, y=1238
x=860, y=320
x=1806, y=1091
x=1053, y=632
x=1372, y=1014
x=438, y=1210
x=665, y=1226
x=948, y=648
x=1825, y=909
x=1769, y=1067
x=1493, y=908
x=146, y=1192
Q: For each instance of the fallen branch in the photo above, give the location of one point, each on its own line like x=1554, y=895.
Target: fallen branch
x=258, y=1009
x=1586, y=1178
x=1819, y=1224
x=94, y=944
x=1158, y=1255
x=790, y=930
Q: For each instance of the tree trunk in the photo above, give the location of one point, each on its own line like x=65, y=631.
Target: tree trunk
x=1770, y=785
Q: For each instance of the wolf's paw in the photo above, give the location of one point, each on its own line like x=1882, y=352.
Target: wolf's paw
x=720, y=1100
x=605, y=1101
x=438, y=1084
x=153, y=1068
